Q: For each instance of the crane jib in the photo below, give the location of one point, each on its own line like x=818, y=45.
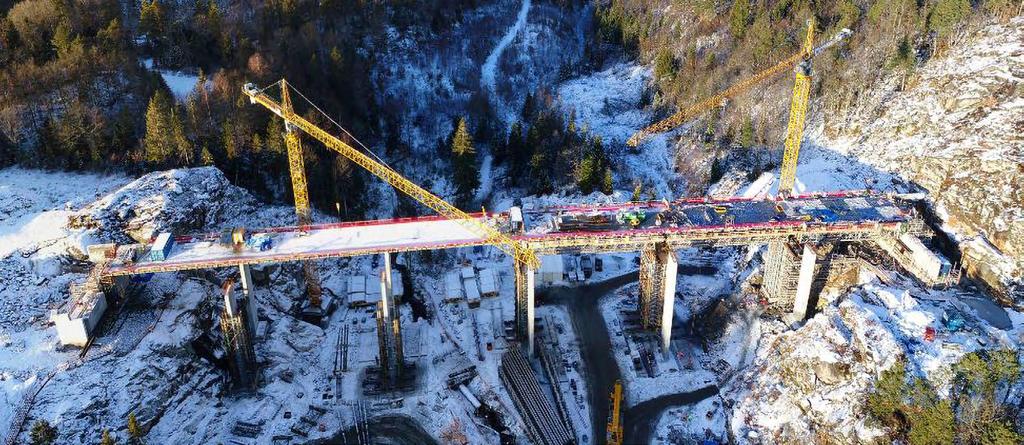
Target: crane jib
x=520, y=252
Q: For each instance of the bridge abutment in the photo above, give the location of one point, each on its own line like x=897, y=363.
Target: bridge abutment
x=659, y=268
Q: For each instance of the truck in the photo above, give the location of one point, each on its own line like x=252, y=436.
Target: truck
x=587, y=264
x=631, y=217
x=260, y=241
x=584, y=223
x=235, y=238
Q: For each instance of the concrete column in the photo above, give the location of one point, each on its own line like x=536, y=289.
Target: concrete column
x=806, y=278
x=387, y=274
x=669, y=269
x=524, y=277
x=659, y=268
x=251, y=314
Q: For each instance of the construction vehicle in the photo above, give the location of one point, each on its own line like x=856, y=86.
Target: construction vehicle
x=801, y=62
x=584, y=223
x=234, y=237
x=631, y=217
x=615, y=428
x=260, y=241
x=519, y=251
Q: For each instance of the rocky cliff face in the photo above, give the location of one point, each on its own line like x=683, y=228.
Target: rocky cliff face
x=180, y=201
x=956, y=128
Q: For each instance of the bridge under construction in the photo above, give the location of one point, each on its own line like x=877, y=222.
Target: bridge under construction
x=654, y=229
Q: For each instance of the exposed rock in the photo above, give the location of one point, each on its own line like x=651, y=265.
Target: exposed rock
x=954, y=131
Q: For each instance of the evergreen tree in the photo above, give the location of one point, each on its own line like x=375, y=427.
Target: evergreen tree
x=739, y=17
x=134, y=430
x=464, y=163
x=205, y=157
x=159, y=143
x=107, y=438
x=946, y=14
x=152, y=20
x=607, y=185
x=43, y=433
x=182, y=146
x=112, y=38
x=664, y=64
x=747, y=133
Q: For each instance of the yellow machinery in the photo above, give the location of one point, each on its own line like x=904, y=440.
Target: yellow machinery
x=615, y=430
x=518, y=250
x=798, y=108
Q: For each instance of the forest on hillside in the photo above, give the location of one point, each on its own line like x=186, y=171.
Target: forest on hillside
x=76, y=92
x=733, y=39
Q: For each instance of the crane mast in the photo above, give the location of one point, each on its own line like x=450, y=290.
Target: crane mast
x=797, y=116
x=801, y=61
x=300, y=189
x=519, y=251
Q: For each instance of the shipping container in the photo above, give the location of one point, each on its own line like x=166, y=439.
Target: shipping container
x=488, y=283
x=161, y=247
x=452, y=287
x=472, y=292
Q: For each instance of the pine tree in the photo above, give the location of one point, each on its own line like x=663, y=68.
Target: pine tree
x=152, y=20
x=182, y=145
x=607, y=184
x=112, y=37
x=205, y=157
x=134, y=430
x=739, y=17
x=747, y=133
x=467, y=173
x=107, y=438
x=946, y=14
x=43, y=433
x=158, y=143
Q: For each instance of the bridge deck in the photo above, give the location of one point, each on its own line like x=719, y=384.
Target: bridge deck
x=733, y=221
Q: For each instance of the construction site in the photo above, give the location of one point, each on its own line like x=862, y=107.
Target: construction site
x=557, y=324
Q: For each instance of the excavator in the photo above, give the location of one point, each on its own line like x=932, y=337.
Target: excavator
x=801, y=63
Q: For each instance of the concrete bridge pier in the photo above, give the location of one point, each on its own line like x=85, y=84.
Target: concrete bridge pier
x=659, y=268
x=238, y=324
x=791, y=270
x=524, y=280
x=389, y=330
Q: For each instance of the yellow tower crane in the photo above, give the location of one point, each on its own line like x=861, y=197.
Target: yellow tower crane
x=615, y=428
x=798, y=108
x=519, y=251
x=297, y=166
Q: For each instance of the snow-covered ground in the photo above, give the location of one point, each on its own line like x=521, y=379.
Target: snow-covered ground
x=34, y=249
x=181, y=84
x=608, y=104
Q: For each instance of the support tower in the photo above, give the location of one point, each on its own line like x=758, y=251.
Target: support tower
x=659, y=268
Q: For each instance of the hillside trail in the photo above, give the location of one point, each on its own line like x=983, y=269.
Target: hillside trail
x=488, y=74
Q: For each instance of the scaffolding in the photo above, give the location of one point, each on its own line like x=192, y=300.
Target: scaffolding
x=524, y=305
x=389, y=332
x=239, y=348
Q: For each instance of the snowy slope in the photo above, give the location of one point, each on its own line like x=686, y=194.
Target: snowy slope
x=956, y=130
x=36, y=268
